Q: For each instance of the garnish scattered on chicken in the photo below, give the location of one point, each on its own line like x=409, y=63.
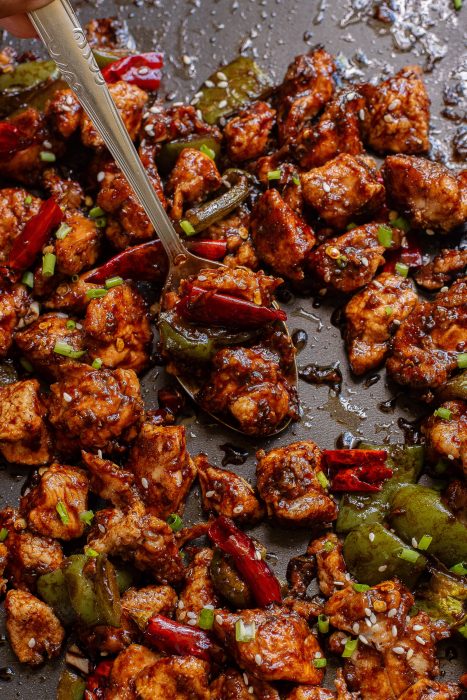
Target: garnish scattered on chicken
x=24, y=435
x=446, y=432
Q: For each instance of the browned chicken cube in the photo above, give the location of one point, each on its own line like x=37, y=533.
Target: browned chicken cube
x=288, y=482
x=66, y=191
x=226, y=493
x=3, y=565
x=199, y=591
x=307, y=86
x=64, y=113
x=53, y=507
x=238, y=282
x=14, y=306
x=194, y=176
x=330, y=564
x=141, y=603
x=70, y=296
x=232, y=685
x=24, y=437
x=110, y=481
x=426, y=346
x=95, y=409
x=429, y=194
x=337, y=131
x=345, y=189
x=164, y=124
x=283, y=648
x=130, y=101
x=34, y=632
x=17, y=206
x=282, y=239
x=447, y=436
x=373, y=315
x=443, y=269
x=38, y=340
x=306, y=693
x=398, y=113
x=163, y=469
x=118, y=330
x=426, y=689
x=81, y=246
x=125, y=670
x=246, y=135
x=175, y=677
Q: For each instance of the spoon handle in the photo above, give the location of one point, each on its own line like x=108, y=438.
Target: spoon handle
x=66, y=42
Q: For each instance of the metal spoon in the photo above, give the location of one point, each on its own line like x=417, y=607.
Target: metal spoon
x=66, y=42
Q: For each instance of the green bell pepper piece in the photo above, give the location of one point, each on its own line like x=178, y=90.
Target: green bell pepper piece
x=70, y=686
x=169, y=152
x=455, y=388
x=418, y=510
x=93, y=590
x=19, y=85
x=204, y=215
x=53, y=591
x=104, y=57
x=444, y=597
x=107, y=592
x=228, y=583
x=125, y=579
x=406, y=461
x=189, y=346
x=365, y=557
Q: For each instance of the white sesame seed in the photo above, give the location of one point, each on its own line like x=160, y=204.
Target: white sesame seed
x=326, y=187
x=32, y=643
x=388, y=119
x=181, y=604
x=149, y=129
x=245, y=678
x=221, y=76
x=420, y=640
x=199, y=114
x=192, y=622
x=67, y=397
x=182, y=615
x=155, y=109
x=210, y=494
x=394, y=104
x=144, y=70
x=338, y=583
x=100, y=176
x=398, y=650
x=144, y=482
x=209, y=606
x=363, y=639
x=450, y=457
x=219, y=619
x=409, y=654
x=238, y=509
x=417, y=628
x=444, y=289
x=192, y=615
x=258, y=659
x=187, y=60
x=361, y=114
x=99, y=454
x=397, y=322
x=392, y=612
x=414, y=543
x=69, y=100
x=223, y=84
x=209, y=83
x=367, y=612
x=365, y=262
x=368, y=622
x=347, y=577
x=251, y=690
x=222, y=104
x=194, y=101
x=383, y=567
x=317, y=655
x=355, y=628
x=394, y=631
x=258, y=555
x=371, y=536
x=373, y=619
x=429, y=232
x=79, y=326
x=101, y=528
x=47, y=144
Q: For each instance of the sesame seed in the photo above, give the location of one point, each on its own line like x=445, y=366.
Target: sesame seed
x=100, y=176
x=144, y=482
x=417, y=628
x=394, y=104
x=368, y=622
x=192, y=615
x=383, y=567
x=67, y=397
x=101, y=528
x=223, y=84
x=210, y=494
x=182, y=615
x=347, y=577
x=394, y=631
x=388, y=119
x=69, y=100
x=429, y=232
x=373, y=618
x=444, y=289
x=194, y=101
x=181, y=604
x=398, y=650
x=192, y=622
x=144, y=70
x=371, y=536
x=326, y=187
x=47, y=144
x=219, y=619
x=317, y=655
x=209, y=607
x=367, y=612
x=363, y=639
x=187, y=60
x=414, y=542
x=79, y=326
x=238, y=509
x=245, y=679
x=221, y=76
x=451, y=457
x=251, y=690
x=199, y=114
x=258, y=659
x=32, y=643
x=361, y=114
x=392, y=612
x=338, y=583
x=99, y=454
x=222, y=104
x=209, y=83
x=410, y=654
x=420, y=640
x=365, y=262
x=355, y=628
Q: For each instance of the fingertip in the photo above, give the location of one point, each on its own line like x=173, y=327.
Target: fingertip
x=20, y=26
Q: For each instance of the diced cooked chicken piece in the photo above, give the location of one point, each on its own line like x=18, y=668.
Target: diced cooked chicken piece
x=288, y=482
x=426, y=689
x=34, y=632
x=3, y=564
x=398, y=113
x=130, y=101
x=365, y=673
x=109, y=33
x=455, y=497
x=193, y=177
x=38, y=340
x=447, y=437
x=125, y=670
x=337, y=131
x=226, y=493
x=104, y=411
x=246, y=135
x=429, y=194
x=307, y=86
x=425, y=348
x=70, y=296
x=14, y=306
x=282, y=239
x=443, y=269
x=248, y=384
x=306, y=693
x=52, y=508
x=350, y=261
x=245, y=284
x=111, y=482
x=345, y=189
x=232, y=685
x=17, y=206
x=373, y=315
x=66, y=192
x=283, y=648
x=199, y=591
x=141, y=538
x=330, y=564
x=118, y=330
x=64, y=113
x=163, y=469
x=175, y=677
x=80, y=248
x=176, y=122
x=24, y=437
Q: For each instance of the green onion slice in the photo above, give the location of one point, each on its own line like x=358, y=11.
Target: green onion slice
x=206, y=619
x=62, y=348
x=187, y=228
x=408, y=555
x=175, y=522
x=96, y=293
x=274, y=175
x=425, y=542
x=245, y=632
x=323, y=624
x=350, y=646
x=113, y=282
x=62, y=512
x=361, y=587
x=62, y=231
x=86, y=516
x=3, y=534
x=443, y=413
x=384, y=234
x=48, y=264
x=402, y=269
x=28, y=279
x=320, y=663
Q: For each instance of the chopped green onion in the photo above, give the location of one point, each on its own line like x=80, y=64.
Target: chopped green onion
x=443, y=413
x=245, y=632
x=48, y=264
x=86, y=516
x=91, y=552
x=274, y=175
x=459, y=569
x=70, y=324
x=296, y=180
x=408, y=555
x=28, y=279
x=384, y=234
x=361, y=587
x=323, y=624
x=96, y=293
x=424, y=542
x=113, y=282
x=96, y=212
x=319, y=663
x=329, y=546
x=321, y=476
x=351, y=226
x=388, y=310
x=208, y=151
x=175, y=522
x=401, y=223
x=187, y=228
x=462, y=360
x=47, y=157
x=26, y=364
x=28, y=199
x=62, y=348
x=402, y=269
x=350, y=646
x=62, y=512
x=62, y=231
x=97, y=363
x=3, y=534
x=206, y=619
x=101, y=222
x=458, y=6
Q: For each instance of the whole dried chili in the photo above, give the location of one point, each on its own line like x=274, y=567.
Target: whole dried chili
x=97, y=682
x=12, y=140
x=175, y=638
x=35, y=235
x=246, y=558
x=145, y=262
x=211, y=250
x=143, y=70
x=357, y=470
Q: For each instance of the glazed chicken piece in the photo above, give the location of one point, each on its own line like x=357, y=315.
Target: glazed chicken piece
x=330, y=564
x=3, y=563
x=455, y=497
x=350, y=261
x=141, y=538
x=431, y=690
x=24, y=437
x=81, y=246
x=175, y=677
x=443, y=269
x=70, y=296
x=66, y=192
x=245, y=284
x=38, y=340
x=199, y=591
x=372, y=316
x=307, y=693
x=110, y=481
x=226, y=493
x=429, y=194
x=282, y=650
x=288, y=482
x=282, y=239
x=118, y=330
x=307, y=86
x=246, y=135
x=398, y=113
x=447, y=438
x=108, y=33
x=130, y=101
x=337, y=131
x=126, y=668
x=232, y=685
x=17, y=206
x=194, y=176
x=104, y=411
x=34, y=632
x=52, y=508
x=163, y=469
x=14, y=306
x=64, y=113
x=343, y=190
x=425, y=348
x=164, y=124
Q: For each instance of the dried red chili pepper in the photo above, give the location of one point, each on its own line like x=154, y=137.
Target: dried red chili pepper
x=12, y=140
x=216, y=309
x=175, y=638
x=263, y=585
x=357, y=470
x=145, y=262
x=98, y=681
x=143, y=70
x=211, y=250
x=410, y=254
x=35, y=235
